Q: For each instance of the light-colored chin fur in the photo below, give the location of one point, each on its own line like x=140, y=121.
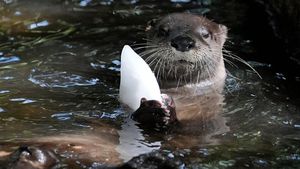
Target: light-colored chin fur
x=214, y=84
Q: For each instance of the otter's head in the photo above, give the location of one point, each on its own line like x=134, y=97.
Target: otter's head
x=184, y=48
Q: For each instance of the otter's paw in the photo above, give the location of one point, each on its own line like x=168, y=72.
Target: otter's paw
x=155, y=113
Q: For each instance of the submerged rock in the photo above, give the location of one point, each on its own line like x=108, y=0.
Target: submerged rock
x=155, y=160
x=31, y=157
x=39, y=157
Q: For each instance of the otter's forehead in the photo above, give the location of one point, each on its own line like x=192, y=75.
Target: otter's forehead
x=188, y=21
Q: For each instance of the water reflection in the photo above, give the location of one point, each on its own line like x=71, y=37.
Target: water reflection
x=59, y=79
x=22, y=100
x=132, y=142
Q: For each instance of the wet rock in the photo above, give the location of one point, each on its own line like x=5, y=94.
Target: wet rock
x=38, y=157
x=31, y=157
x=155, y=160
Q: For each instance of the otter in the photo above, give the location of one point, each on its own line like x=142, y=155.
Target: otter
x=185, y=49
x=185, y=53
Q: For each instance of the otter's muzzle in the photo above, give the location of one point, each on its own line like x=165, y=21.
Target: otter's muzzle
x=182, y=43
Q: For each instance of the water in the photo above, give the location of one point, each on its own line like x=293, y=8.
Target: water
x=59, y=77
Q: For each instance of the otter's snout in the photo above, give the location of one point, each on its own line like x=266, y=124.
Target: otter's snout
x=182, y=43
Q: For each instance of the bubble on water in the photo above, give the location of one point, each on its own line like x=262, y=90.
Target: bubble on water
x=58, y=79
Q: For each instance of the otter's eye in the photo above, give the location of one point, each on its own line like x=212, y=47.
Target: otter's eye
x=204, y=33
x=163, y=31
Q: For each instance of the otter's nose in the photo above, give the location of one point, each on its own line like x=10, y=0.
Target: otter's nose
x=182, y=43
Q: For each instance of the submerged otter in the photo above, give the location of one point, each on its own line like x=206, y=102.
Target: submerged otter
x=185, y=53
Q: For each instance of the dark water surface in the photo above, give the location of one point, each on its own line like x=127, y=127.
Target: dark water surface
x=59, y=76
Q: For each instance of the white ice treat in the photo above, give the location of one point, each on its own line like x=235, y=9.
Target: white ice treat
x=137, y=80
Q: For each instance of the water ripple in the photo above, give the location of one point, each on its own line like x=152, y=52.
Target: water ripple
x=231, y=84
x=180, y=1
x=62, y=116
x=115, y=65
x=22, y=100
x=294, y=157
x=113, y=115
x=59, y=79
x=9, y=59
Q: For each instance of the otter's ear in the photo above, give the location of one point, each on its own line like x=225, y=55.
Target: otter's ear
x=151, y=24
x=223, y=33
